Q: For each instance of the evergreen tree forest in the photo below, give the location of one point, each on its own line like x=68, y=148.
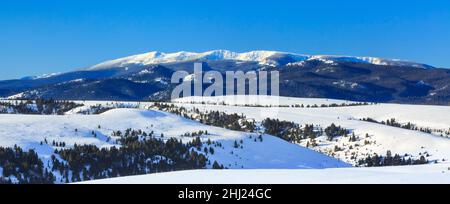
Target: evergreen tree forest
x=213, y=118
x=37, y=107
x=25, y=167
x=393, y=122
x=137, y=154
x=390, y=160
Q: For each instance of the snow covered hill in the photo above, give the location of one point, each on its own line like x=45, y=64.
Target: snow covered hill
x=424, y=174
x=269, y=160
x=270, y=58
x=372, y=138
x=30, y=132
x=423, y=115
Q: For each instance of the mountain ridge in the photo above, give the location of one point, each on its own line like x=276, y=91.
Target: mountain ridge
x=263, y=57
x=318, y=76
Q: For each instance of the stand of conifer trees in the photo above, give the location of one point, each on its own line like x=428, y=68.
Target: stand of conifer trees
x=38, y=107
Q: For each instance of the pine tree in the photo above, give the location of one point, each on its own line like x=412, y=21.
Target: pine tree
x=236, y=145
x=217, y=166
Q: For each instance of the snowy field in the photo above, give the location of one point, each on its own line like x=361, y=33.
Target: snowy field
x=260, y=101
x=271, y=161
x=423, y=115
x=424, y=174
x=382, y=137
x=28, y=131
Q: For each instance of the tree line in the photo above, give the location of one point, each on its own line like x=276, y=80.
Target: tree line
x=38, y=107
x=213, y=118
x=136, y=154
x=390, y=160
x=393, y=122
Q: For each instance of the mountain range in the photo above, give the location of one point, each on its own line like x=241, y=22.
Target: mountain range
x=269, y=58
x=147, y=77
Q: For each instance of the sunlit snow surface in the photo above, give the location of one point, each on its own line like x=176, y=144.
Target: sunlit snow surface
x=28, y=131
x=384, y=138
x=424, y=174
x=273, y=160
x=260, y=56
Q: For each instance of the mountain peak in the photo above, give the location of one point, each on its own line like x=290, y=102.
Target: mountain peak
x=263, y=57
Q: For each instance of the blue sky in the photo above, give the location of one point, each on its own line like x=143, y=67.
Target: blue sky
x=38, y=37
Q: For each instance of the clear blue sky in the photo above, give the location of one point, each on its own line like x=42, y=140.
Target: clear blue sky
x=43, y=36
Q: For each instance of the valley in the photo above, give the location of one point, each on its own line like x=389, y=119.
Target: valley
x=243, y=147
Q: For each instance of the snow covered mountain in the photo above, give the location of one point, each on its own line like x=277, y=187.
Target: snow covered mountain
x=267, y=58
x=147, y=77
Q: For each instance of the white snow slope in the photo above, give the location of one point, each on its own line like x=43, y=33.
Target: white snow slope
x=382, y=137
x=262, y=57
x=27, y=131
x=283, y=158
x=423, y=174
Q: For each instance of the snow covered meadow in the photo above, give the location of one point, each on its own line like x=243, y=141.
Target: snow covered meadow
x=28, y=131
x=252, y=157
x=382, y=137
x=424, y=174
